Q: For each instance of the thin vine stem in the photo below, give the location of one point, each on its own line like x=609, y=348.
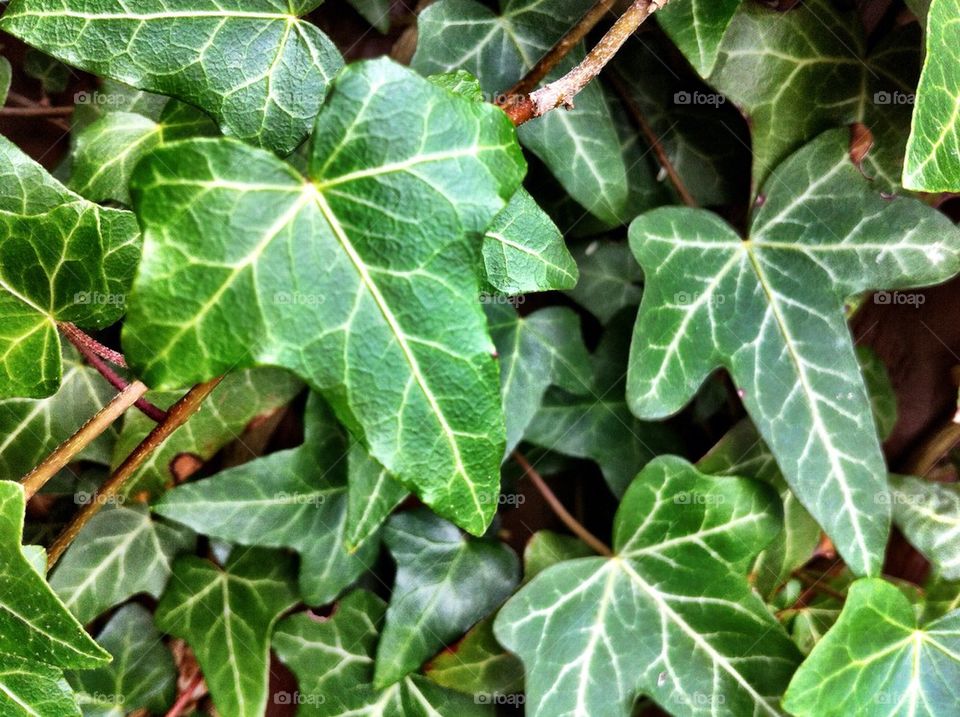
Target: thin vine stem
x=38, y=111
x=66, y=451
x=87, y=343
x=178, y=414
x=525, y=107
x=575, y=526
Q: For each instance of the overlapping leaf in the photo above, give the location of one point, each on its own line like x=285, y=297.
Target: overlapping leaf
x=291, y=499
x=878, y=661
x=928, y=514
x=333, y=662
x=398, y=339
x=62, y=258
x=682, y=541
x=811, y=71
x=770, y=310
x=227, y=617
x=697, y=27
x=581, y=147
x=933, y=152
x=609, y=278
x=257, y=67
x=445, y=583
x=120, y=553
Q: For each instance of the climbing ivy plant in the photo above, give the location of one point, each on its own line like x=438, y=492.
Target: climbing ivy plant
x=525, y=365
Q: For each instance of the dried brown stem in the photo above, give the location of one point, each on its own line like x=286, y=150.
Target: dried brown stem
x=572, y=523
x=178, y=414
x=38, y=111
x=23, y=101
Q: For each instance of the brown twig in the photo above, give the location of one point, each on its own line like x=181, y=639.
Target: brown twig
x=572, y=523
x=522, y=108
x=527, y=83
x=66, y=451
x=93, y=356
x=636, y=113
x=187, y=696
x=176, y=417
x=926, y=457
x=38, y=111
x=18, y=99
x=85, y=343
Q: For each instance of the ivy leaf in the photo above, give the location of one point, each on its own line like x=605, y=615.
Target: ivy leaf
x=523, y=251
x=6, y=75
x=292, y=499
x=400, y=345
x=769, y=309
x=62, y=258
x=933, y=152
x=942, y=596
x=52, y=74
x=445, y=583
x=333, y=662
x=546, y=549
x=120, y=553
x=234, y=404
x=928, y=514
x=260, y=69
x=33, y=427
x=536, y=351
x=681, y=541
x=372, y=495
x=376, y=12
x=227, y=617
x=812, y=71
x=142, y=674
x=598, y=424
x=581, y=147
x=697, y=27
x=877, y=660
x=609, y=278
x=106, y=151
x=35, y=689
x=477, y=665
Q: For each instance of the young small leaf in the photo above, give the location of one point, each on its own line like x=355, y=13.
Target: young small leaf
x=697, y=27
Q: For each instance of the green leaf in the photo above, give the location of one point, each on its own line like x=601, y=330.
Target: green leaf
x=120, y=553
x=31, y=688
x=52, y=74
x=227, y=617
x=257, y=67
x=810, y=70
x=372, y=495
x=933, y=152
x=546, y=548
x=234, y=404
x=445, y=583
x=6, y=74
x=877, y=660
x=609, y=278
x=697, y=27
x=62, y=258
x=292, y=499
x=399, y=341
x=477, y=665
x=31, y=428
x=928, y=514
x=523, y=251
x=681, y=541
x=142, y=674
x=598, y=424
x=106, y=151
x=34, y=624
x=769, y=309
x=581, y=147
x=536, y=351
x=333, y=662
x=376, y=12
x=942, y=596
x=883, y=399
x=742, y=452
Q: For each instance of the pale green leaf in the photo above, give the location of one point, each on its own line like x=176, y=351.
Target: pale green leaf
x=62, y=258
x=292, y=499
x=445, y=583
x=697, y=28
x=120, y=553
x=106, y=151
x=257, y=67
x=398, y=341
x=227, y=617
x=32, y=688
x=546, y=548
x=928, y=514
x=523, y=251
x=333, y=662
x=671, y=616
x=142, y=674
x=933, y=152
x=581, y=147
x=769, y=309
x=877, y=661
x=536, y=351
